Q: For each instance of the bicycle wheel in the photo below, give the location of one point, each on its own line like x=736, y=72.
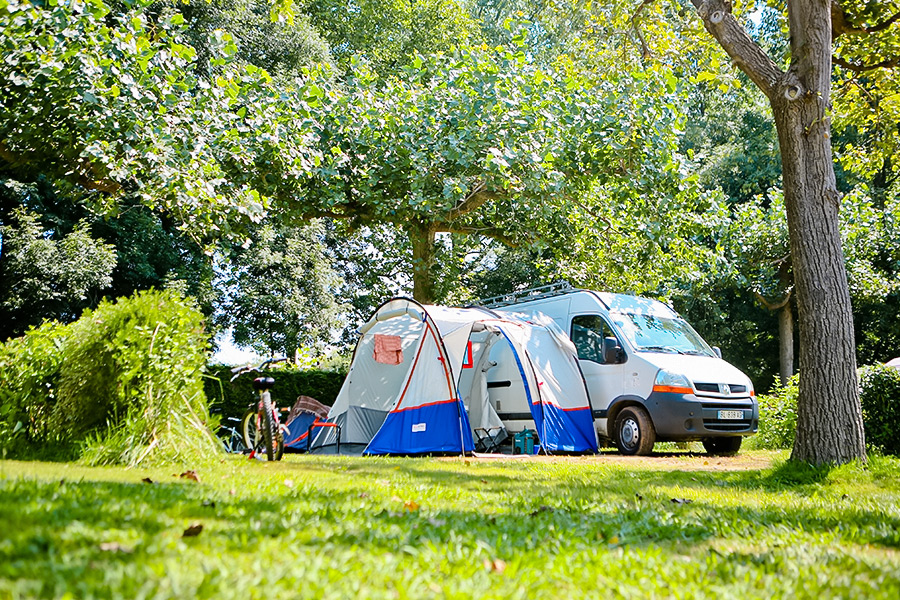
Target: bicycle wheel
x=269, y=428
x=250, y=429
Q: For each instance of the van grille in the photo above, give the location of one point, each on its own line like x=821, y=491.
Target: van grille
x=717, y=388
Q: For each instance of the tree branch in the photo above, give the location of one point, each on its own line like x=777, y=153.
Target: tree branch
x=490, y=232
x=746, y=54
x=840, y=26
x=775, y=306
x=477, y=197
x=888, y=63
x=645, y=50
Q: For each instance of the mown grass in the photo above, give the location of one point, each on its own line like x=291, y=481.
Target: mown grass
x=341, y=527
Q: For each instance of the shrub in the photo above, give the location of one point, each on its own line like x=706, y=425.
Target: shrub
x=29, y=375
x=136, y=365
x=879, y=391
x=777, y=418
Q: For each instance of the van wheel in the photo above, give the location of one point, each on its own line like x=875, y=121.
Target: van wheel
x=634, y=431
x=723, y=446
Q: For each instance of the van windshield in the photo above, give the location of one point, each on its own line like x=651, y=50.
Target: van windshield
x=649, y=333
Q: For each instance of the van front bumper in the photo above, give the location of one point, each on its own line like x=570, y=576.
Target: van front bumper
x=684, y=417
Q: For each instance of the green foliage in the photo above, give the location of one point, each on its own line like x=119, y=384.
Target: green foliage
x=231, y=399
x=29, y=378
x=777, y=417
x=879, y=393
x=45, y=278
x=281, y=291
x=329, y=528
x=389, y=32
x=280, y=46
x=132, y=369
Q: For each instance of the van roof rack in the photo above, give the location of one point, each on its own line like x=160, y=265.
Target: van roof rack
x=536, y=293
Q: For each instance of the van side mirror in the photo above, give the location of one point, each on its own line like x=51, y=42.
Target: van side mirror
x=717, y=351
x=612, y=351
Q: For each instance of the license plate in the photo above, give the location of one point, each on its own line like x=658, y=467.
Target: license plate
x=731, y=414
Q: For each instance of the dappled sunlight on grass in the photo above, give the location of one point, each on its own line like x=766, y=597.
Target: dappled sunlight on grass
x=338, y=527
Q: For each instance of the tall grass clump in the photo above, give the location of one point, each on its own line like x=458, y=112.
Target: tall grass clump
x=879, y=393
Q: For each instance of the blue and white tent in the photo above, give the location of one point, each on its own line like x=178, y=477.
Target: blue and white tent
x=419, y=382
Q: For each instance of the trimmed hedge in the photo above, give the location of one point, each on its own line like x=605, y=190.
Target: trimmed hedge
x=879, y=392
x=231, y=399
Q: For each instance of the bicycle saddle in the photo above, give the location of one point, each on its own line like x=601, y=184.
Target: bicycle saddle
x=263, y=383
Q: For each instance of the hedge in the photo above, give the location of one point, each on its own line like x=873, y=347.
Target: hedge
x=231, y=399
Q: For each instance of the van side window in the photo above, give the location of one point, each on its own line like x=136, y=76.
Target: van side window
x=588, y=332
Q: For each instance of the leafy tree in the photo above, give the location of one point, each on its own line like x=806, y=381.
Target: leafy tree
x=280, y=291
x=829, y=424
x=389, y=33
x=283, y=47
x=44, y=278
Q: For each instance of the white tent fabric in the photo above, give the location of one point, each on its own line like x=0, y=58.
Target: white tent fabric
x=423, y=403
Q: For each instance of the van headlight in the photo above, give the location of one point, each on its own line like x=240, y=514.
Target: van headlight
x=668, y=381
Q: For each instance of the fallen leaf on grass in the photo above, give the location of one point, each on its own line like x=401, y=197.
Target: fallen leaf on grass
x=232, y=492
x=147, y=480
x=495, y=566
x=411, y=505
x=363, y=495
x=193, y=531
x=115, y=547
x=192, y=475
x=541, y=509
x=209, y=503
x=681, y=500
x=289, y=483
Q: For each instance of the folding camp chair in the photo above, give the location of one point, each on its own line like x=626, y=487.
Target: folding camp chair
x=489, y=439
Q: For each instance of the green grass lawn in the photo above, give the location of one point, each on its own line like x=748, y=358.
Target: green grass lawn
x=341, y=527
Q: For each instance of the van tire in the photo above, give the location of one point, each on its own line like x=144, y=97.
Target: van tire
x=723, y=446
x=635, y=434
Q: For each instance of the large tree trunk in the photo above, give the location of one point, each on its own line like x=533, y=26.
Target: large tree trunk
x=829, y=418
x=422, y=238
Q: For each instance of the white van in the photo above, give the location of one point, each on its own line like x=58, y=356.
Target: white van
x=650, y=376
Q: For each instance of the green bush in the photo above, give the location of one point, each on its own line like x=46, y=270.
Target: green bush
x=123, y=382
x=231, y=399
x=777, y=418
x=29, y=375
x=879, y=391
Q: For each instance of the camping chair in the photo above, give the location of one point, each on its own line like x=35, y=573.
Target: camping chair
x=318, y=423
x=489, y=438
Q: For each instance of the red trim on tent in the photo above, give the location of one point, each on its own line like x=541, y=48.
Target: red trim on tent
x=424, y=405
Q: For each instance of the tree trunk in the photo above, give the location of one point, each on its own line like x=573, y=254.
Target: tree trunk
x=829, y=418
x=786, y=343
x=422, y=238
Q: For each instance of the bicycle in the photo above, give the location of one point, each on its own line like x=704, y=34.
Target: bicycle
x=232, y=437
x=264, y=416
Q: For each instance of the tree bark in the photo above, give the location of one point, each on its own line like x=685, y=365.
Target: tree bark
x=422, y=238
x=829, y=417
x=786, y=343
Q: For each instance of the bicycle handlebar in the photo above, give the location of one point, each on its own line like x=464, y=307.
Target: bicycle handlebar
x=238, y=371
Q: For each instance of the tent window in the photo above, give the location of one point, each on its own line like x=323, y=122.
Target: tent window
x=388, y=349
x=588, y=332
